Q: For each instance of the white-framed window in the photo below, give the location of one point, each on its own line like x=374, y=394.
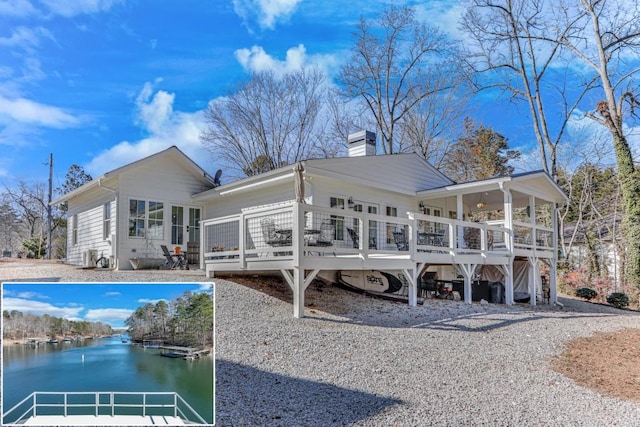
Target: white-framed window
x=156, y=220
x=74, y=230
x=177, y=225
x=106, y=221
x=146, y=219
x=336, y=220
x=391, y=211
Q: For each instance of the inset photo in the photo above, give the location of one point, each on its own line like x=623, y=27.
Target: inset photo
x=118, y=354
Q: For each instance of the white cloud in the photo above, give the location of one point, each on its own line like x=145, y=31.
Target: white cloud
x=154, y=112
x=107, y=315
x=70, y=8
x=257, y=59
x=38, y=307
x=166, y=127
x=150, y=301
x=27, y=111
x=112, y=294
x=442, y=14
x=265, y=12
x=205, y=287
x=19, y=8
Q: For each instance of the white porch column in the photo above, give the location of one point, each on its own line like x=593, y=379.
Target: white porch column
x=459, y=213
x=553, y=270
x=508, y=225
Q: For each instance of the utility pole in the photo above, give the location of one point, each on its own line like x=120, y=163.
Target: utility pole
x=49, y=206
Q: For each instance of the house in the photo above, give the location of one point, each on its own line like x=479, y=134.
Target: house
x=130, y=211
x=390, y=213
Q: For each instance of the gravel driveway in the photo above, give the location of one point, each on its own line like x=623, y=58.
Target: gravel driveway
x=360, y=361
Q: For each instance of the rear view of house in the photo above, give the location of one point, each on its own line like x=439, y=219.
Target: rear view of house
x=133, y=210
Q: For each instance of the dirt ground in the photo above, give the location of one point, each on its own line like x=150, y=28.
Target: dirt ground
x=608, y=363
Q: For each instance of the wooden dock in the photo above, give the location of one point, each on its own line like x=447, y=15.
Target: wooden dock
x=187, y=353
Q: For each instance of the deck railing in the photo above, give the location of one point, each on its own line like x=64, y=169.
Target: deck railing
x=103, y=403
x=291, y=231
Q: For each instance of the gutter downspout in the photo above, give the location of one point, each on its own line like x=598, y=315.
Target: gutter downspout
x=117, y=243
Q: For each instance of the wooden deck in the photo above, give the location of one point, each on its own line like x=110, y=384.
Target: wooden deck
x=292, y=238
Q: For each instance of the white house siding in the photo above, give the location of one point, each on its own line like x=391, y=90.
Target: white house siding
x=89, y=211
x=161, y=180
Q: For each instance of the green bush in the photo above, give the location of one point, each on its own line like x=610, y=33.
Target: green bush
x=618, y=300
x=586, y=293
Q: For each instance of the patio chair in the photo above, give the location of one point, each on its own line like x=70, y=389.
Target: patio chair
x=354, y=236
x=400, y=239
x=324, y=237
x=271, y=236
x=172, y=261
x=327, y=231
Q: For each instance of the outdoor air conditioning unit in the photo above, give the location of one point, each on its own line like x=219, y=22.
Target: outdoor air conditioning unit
x=89, y=258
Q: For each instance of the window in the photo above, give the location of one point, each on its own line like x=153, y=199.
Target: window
x=146, y=219
x=391, y=228
x=74, y=230
x=106, y=225
x=337, y=221
x=156, y=220
x=137, y=216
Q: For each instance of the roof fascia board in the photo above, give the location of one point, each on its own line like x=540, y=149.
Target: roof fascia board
x=466, y=187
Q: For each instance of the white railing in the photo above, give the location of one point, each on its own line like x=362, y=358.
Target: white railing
x=66, y=403
x=293, y=231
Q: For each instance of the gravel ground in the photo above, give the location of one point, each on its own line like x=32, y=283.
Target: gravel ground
x=360, y=361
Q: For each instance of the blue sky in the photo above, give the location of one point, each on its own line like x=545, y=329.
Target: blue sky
x=102, y=83
x=109, y=303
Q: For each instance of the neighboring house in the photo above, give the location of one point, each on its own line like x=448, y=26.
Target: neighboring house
x=362, y=212
x=130, y=211
x=607, y=256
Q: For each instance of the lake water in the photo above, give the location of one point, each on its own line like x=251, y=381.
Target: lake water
x=109, y=365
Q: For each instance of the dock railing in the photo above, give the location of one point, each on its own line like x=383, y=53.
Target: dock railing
x=103, y=403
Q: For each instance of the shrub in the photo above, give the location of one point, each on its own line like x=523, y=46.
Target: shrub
x=586, y=293
x=618, y=300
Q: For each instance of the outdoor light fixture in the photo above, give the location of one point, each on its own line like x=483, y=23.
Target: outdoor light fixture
x=481, y=204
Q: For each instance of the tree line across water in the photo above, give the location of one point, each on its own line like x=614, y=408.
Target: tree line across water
x=186, y=321
x=18, y=325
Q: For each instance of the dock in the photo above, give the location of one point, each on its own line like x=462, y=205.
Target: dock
x=187, y=353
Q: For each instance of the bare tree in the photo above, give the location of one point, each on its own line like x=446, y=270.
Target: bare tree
x=512, y=52
x=269, y=122
x=396, y=63
x=603, y=36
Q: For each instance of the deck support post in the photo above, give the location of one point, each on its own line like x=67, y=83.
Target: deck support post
x=534, y=277
x=413, y=286
x=298, y=284
x=467, y=272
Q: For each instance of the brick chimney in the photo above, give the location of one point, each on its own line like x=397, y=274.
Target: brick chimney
x=362, y=143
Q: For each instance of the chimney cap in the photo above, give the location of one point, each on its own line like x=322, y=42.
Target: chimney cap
x=362, y=136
